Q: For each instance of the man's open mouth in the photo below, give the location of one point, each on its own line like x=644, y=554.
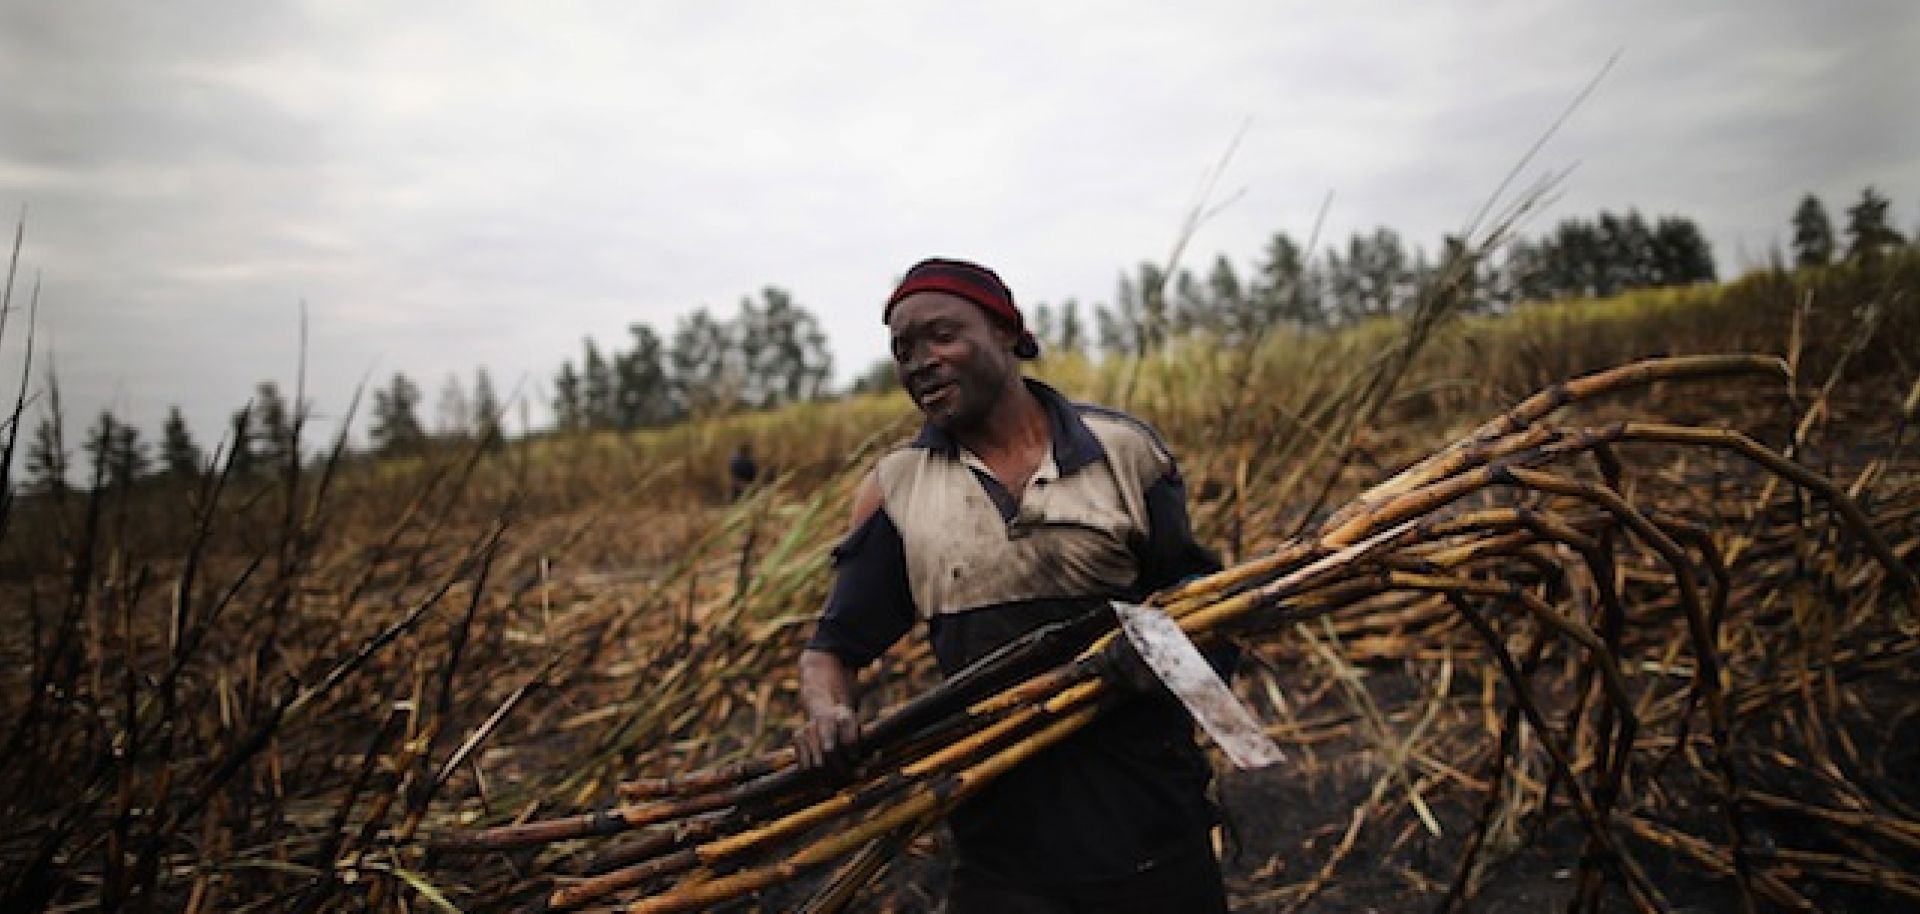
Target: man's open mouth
x=929, y=392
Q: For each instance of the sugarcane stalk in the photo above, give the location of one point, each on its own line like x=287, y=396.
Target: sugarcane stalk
x=1448, y=461
x=958, y=786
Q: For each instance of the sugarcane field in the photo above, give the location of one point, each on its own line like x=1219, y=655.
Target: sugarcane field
x=989, y=458
x=1606, y=604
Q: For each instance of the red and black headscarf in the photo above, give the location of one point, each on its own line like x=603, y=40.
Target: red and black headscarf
x=974, y=283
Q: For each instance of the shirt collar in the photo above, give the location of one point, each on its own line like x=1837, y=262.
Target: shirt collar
x=1074, y=445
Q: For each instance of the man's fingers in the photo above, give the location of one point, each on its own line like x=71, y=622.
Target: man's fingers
x=837, y=744
x=807, y=748
x=826, y=743
x=832, y=742
x=846, y=734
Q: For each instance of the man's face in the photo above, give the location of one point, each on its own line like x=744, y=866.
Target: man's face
x=953, y=360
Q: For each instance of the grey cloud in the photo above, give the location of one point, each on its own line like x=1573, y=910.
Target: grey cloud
x=459, y=185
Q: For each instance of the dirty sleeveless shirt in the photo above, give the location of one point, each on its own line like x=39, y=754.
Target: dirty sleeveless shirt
x=1103, y=518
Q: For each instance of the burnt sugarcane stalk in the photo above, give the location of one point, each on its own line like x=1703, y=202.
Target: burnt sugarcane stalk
x=1010, y=723
x=1037, y=650
x=774, y=775
x=947, y=790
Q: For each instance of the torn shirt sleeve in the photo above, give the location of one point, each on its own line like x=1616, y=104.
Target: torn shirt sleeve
x=870, y=606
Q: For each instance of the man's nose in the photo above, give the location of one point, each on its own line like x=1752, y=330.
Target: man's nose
x=919, y=358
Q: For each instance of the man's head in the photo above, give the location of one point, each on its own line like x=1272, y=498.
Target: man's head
x=957, y=340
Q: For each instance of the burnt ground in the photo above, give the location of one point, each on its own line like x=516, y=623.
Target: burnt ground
x=1288, y=824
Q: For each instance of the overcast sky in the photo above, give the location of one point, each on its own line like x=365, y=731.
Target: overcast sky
x=455, y=185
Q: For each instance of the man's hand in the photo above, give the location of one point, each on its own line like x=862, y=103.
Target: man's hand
x=1128, y=673
x=830, y=738
x=1124, y=670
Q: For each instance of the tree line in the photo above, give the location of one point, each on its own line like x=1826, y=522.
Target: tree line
x=260, y=438
x=771, y=350
x=769, y=353
x=1869, y=231
x=1375, y=274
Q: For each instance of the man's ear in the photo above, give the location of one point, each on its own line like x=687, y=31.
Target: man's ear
x=1003, y=336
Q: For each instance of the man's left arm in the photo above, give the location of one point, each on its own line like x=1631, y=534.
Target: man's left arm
x=1171, y=555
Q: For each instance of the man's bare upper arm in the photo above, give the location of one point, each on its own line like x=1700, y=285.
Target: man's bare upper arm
x=866, y=500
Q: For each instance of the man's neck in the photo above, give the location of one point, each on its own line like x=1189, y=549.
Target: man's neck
x=1016, y=424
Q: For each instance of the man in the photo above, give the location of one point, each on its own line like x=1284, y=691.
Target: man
x=741, y=471
x=1015, y=508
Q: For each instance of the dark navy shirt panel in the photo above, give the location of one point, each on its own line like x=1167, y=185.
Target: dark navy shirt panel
x=870, y=605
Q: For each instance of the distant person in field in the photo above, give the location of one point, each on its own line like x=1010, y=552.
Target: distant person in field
x=1015, y=508
x=741, y=470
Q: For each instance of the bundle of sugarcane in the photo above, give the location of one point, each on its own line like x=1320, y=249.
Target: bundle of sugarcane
x=1492, y=524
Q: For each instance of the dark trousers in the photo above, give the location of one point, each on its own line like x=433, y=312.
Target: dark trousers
x=1186, y=883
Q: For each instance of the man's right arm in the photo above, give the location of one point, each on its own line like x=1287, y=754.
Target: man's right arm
x=829, y=697
x=857, y=612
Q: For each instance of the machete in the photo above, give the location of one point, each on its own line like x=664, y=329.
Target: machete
x=1172, y=656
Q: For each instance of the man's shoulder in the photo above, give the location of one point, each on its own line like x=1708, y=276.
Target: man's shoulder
x=1123, y=434
x=904, y=461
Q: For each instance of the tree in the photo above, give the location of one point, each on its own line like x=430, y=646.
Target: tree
x=276, y=427
x=1522, y=274
x=1221, y=305
x=453, y=416
x=178, y=453
x=396, y=418
x=1149, y=292
x=701, y=360
x=1283, y=291
x=1041, y=321
x=1626, y=254
x=781, y=349
x=1681, y=253
x=1812, y=234
x=569, y=406
x=119, y=456
x=1375, y=278
x=1574, y=258
x=1114, y=333
x=598, y=389
x=643, y=396
x=486, y=409
x=47, y=458
x=129, y=455
x=99, y=446
x=1868, y=229
x=1467, y=272
x=1071, y=338
x=243, y=460
x=1059, y=331
x=1193, y=308
x=1137, y=324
